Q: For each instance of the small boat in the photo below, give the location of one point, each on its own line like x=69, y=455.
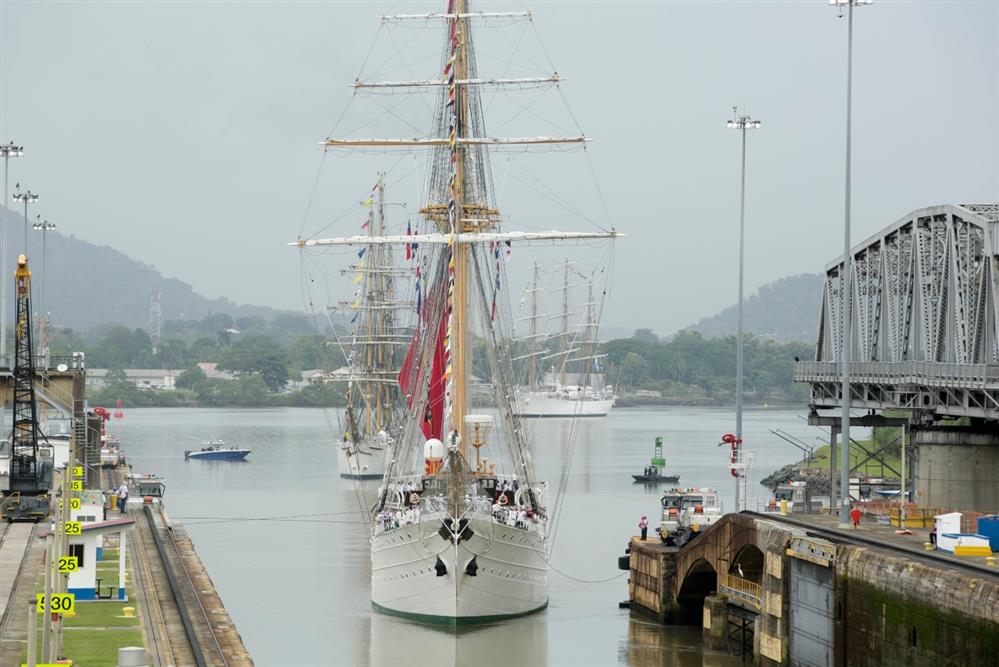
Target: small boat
x=215, y=450
x=654, y=471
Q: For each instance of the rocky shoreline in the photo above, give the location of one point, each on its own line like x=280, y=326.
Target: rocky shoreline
x=817, y=479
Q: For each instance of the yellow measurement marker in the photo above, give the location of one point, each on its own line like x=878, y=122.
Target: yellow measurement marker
x=77, y=471
x=74, y=528
x=77, y=485
x=74, y=503
x=61, y=603
x=68, y=564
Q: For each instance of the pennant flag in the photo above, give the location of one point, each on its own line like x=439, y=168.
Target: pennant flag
x=360, y=253
x=352, y=320
x=368, y=202
x=366, y=224
x=358, y=277
x=409, y=249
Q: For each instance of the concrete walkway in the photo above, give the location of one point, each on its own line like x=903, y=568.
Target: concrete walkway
x=15, y=541
x=886, y=534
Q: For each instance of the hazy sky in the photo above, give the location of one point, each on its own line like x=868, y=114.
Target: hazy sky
x=185, y=133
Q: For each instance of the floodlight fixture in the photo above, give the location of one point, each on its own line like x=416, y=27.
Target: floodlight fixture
x=10, y=150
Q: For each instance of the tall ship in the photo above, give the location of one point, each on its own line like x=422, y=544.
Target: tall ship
x=460, y=527
x=572, y=385
x=373, y=415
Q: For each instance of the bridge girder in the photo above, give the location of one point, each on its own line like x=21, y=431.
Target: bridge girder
x=924, y=300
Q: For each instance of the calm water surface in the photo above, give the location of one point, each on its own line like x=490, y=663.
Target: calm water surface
x=284, y=542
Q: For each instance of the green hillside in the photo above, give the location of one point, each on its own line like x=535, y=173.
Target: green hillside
x=784, y=310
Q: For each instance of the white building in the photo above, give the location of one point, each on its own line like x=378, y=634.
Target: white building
x=212, y=372
x=84, y=583
x=91, y=511
x=143, y=378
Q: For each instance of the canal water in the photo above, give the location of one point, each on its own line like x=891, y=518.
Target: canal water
x=283, y=539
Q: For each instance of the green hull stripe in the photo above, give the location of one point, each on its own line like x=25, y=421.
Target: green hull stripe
x=453, y=621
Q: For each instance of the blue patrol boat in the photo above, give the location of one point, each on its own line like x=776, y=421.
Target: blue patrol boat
x=215, y=450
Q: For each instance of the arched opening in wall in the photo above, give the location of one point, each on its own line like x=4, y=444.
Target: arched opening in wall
x=748, y=564
x=700, y=582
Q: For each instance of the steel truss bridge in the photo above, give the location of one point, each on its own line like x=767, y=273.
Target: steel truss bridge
x=925, y=298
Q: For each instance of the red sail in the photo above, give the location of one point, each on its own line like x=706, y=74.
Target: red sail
x=405, y=372
x=433, y=424
x=433, y=418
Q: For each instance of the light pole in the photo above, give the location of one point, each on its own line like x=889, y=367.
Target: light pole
x=7, y=151
x=45, y=227
x=846, y=296
x=741, y=123
x=26, y=197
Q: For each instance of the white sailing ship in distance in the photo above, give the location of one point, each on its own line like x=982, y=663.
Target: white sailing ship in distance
x=574, y=385
x=461, y=525
x=373, y=415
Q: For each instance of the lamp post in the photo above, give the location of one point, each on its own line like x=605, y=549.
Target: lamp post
x=26, y=197
x=7, y=151
x=45, y=227
x=43, y=317
x=741, y=123
x=846, y=300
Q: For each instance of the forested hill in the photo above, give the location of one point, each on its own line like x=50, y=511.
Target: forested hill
x=784, y=310
x=90, y=284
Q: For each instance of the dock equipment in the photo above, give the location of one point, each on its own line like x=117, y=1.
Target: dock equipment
x=26, y=497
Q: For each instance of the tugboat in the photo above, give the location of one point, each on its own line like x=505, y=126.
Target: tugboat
x=654, y=471
x=215, y=450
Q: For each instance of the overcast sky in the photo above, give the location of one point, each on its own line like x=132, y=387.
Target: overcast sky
x=185, y=133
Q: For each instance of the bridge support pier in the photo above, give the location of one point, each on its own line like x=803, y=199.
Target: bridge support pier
x=956, y=467
x=715, y=623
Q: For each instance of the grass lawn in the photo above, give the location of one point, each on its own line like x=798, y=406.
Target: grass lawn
x=101, y=614
x=96, y=648
x=93, y=635
x=820, y=459
x=109, y=577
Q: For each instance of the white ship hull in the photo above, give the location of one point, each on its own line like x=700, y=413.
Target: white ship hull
x=511, y=578
x=544, y=404
x=363, y=463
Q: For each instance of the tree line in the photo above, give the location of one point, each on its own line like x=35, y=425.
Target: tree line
x=263, y=356
x=689, y=364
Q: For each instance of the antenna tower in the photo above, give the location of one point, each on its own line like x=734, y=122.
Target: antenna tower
x=155, y=320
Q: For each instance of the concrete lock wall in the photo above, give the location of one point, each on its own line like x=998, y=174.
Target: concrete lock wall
x=897, y=612
x=956, y=468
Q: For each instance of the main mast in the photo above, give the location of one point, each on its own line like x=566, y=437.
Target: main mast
x=565, y=322
x=534, y=329
x=459, y=323
x=591, y=334
x=460, y=208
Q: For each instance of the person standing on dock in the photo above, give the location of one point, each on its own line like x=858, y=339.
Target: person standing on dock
x=643, y=524
x=122, y=498
x=855, y=515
